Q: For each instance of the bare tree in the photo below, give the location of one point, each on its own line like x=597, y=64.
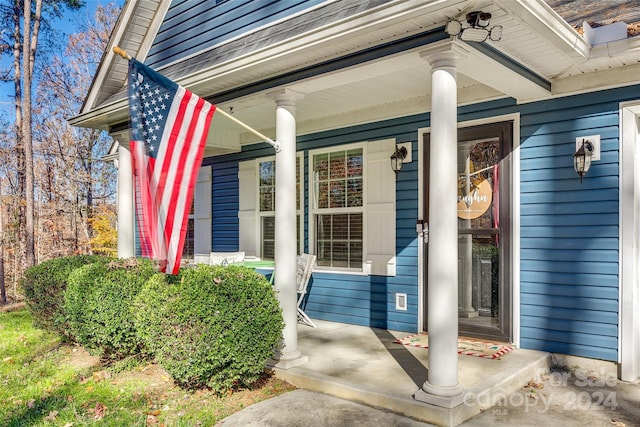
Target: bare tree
x=25, y=17
x=3, y=289
x=72, y=176
x=29, y=47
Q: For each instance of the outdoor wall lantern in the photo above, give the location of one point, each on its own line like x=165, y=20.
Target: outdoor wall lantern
x=397, y=159
x=475, y=29
x=582, y=158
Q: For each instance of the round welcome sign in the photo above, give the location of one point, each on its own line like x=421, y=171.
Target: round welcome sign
x=476, y=202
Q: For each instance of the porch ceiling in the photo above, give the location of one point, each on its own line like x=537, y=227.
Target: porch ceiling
x=394, y=86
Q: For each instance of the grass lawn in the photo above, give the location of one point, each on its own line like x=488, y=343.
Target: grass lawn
x=46, y=383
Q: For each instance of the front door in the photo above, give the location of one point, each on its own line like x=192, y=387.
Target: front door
x=484, y=261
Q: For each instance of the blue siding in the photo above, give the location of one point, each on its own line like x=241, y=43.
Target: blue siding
x=361, y=300
x=370, y=300
x=225, y=202
x=569, y=231
x=192, y=26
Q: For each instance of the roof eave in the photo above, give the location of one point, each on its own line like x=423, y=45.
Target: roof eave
x=541, y=17
x=102, y=116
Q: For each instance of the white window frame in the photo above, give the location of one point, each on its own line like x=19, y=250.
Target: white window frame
x=314, y=210
x=261, y=214
x=378, y=207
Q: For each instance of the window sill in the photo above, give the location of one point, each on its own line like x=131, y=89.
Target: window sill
x=330, y=270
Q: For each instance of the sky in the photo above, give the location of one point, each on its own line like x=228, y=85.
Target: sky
x=69, y=23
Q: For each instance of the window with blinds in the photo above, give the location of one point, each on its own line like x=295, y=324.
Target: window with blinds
x=267, y=205
x=338, y=209
x=351, y=194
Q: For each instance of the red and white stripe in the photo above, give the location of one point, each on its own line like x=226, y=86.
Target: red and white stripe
x=171, y=177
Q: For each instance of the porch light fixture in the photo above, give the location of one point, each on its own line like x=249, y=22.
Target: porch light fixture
x=397, y=158
x=582, y=158
x=475, y=28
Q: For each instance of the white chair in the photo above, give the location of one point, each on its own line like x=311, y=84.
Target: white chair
x=201, y=258
x=305, y=266
x=225, y=258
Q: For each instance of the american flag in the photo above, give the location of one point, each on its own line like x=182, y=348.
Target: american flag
x=169, y=127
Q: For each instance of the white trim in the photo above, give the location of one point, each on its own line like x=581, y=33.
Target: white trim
x=299, y=210
x=201, y=216
x=541, y=17
x=515, y=231
x=312, y=209
x=121, y=35
x=629, y=241
x=378, y=207
x=104, y=68
x=515, y=218
x=125, y=204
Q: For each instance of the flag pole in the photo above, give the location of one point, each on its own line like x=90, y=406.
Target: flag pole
x=118, y=51
x=275, y=144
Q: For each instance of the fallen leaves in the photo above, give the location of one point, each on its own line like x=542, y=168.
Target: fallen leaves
x=532, y=384
x=98, y=411
x=152, y=418
x=52, y=416
x=101, y=375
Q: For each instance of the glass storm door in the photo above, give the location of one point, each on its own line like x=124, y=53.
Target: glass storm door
x=484, y=291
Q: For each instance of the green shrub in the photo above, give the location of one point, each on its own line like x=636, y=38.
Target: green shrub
x=98, y=305
x=44, y=285
x=210, y=326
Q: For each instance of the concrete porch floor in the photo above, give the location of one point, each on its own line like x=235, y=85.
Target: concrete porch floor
x=364, y=365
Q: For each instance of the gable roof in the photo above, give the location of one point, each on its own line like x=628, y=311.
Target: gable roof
x=134, y=31
x=535, y=38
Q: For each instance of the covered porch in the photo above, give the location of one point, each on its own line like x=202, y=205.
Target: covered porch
x=381, y=63
x=364, y=365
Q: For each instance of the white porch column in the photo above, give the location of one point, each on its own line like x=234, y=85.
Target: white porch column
x=442, y=386
x=126, y=211
x=285, y=226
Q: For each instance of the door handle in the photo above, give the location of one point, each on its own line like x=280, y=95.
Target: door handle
x=422, y=227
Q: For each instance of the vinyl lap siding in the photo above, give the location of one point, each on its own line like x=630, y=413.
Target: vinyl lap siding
x=225, y=203
x=191, y=26
x=356, y=299
x=370, y=300
x=569, y=231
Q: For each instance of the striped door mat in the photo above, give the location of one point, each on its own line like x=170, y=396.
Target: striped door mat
x=466, y=346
